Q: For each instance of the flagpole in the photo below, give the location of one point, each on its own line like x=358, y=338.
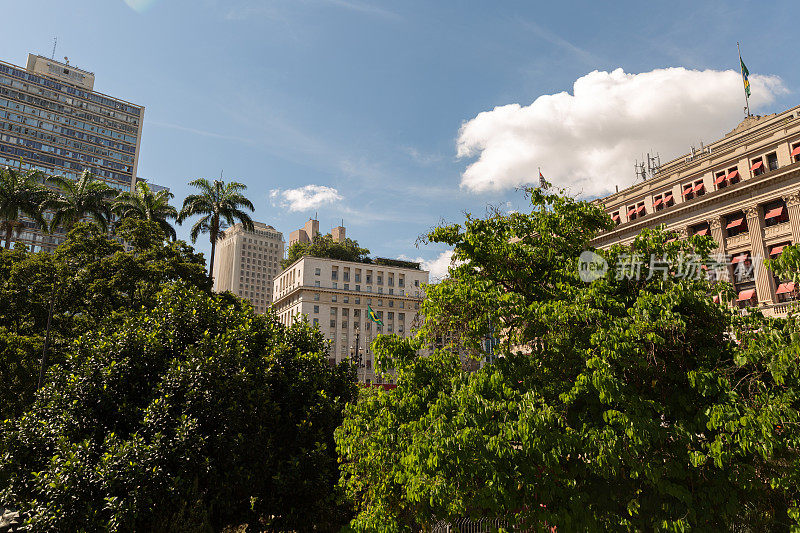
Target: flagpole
x=741, y=70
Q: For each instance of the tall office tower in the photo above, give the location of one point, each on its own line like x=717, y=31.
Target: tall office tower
x=246, y=262
x=743, y=190
x=52, y=119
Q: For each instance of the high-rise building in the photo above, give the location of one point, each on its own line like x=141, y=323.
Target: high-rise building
x=247, y=262
x=743, y=190
x=52, y=119
x=336, y=295
x=306, y=234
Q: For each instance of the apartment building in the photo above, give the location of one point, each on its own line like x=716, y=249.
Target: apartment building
x=247, y=262
x=52, y=119
x=743, y=190
x=335, y=296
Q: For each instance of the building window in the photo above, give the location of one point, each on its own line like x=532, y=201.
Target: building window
x=316, y=309
x=380, y=280
x=701, y=230
x=346, y=299
x=632, y=212
x=391, y=291
x=615, y=218
x=316, y=283
x=369, y=279
x=333, y=297
x=416, y=283
x=391, y=303
x=735, y=224
x=775, y=213
x=334, y=274
x=347, y=286
x=335, y=285
x=795, y=155
x=317, y=272
x=316, y=322
x=333, y=323
x=316, y=296
x=757, y=167
x=358, y=288
x=772, y=161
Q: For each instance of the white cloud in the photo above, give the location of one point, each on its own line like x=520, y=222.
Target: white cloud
x=437, y=266
x=305, y=198
x=588, y=140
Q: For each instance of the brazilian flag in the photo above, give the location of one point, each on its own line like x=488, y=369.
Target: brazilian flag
x=373, y=316
x=745, y=78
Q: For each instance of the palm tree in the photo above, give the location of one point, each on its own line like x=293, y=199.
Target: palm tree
x=85, y=196
x=218, y=201
x=146, y=205
x=20, y=194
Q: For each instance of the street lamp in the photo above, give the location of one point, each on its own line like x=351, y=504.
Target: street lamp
x=357, y=355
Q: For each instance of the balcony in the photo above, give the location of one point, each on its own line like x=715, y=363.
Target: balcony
x=783, y=229
x=737, y=240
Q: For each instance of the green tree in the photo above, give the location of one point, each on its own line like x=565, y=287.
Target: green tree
x=144, y=204
x=626, y=403
x=195, y=414
x=217, y=202
x=21, y=194
x=78, y=199
x=787, y=264
x=98, y=280
x=326, y=246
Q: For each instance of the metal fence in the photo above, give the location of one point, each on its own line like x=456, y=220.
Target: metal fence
x=467, y=525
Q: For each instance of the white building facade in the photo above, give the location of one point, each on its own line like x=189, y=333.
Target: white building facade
x=335, y=296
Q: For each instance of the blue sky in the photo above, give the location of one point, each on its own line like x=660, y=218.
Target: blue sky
x=368, y=97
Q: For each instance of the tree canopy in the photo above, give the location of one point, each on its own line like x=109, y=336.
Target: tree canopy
x=144, y=204
x=326, y=246
x=165, y=407
x=21, y=194
x=624, y=403
x=216, y=203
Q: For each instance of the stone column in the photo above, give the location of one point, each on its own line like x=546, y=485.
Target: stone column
x=765, y=284
x=719, y=237
x=793, y=207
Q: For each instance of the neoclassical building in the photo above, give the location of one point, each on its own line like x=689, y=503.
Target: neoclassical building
x=743, y=190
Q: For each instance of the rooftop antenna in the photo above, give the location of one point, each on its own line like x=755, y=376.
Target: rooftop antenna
x=55, y=42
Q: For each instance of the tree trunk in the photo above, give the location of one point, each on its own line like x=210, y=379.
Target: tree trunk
x=9, y=232
x=213, y=233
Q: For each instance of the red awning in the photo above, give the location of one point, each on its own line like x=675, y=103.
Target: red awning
x=772, y=213
x=673, y=239
x=615, y=218
x=720, y=179
x=733, y=175
x=735, y=223
x=688, y=190
x=640, y=209
x=738, y=259
x=702, y=232
x=796, y=151
x=756, y=165
x=783, y=288
x=699, y=187
x=776, y=249
x=632, y=211
x=716, y=299
x=658, y=202
x=746, y=295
